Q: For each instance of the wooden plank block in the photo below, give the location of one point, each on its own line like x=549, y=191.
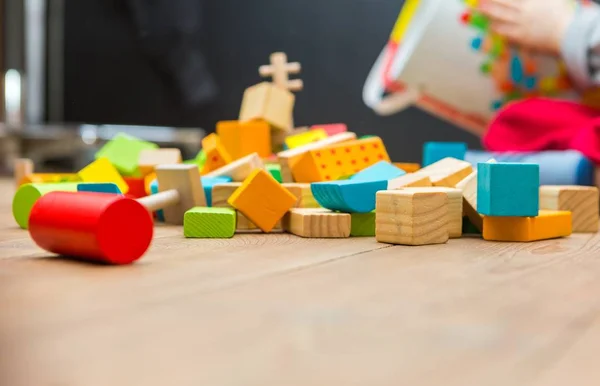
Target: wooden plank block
x=548, y=224
x=22, y=168
x=244, y=224
x=409, y=180
x=208, y=183
x=288, y=158
x=186, y=180
x=243, y=138
x=411, y=217
x=508, y=189
x=202, y=222
x=581, y=201
x=262, y=199
x=270, y=103
x=102, y=170
x=435, y=151
x=149, y=158
x=307, y=200
x=335, y=161
x=379, y=171
x=123, y=151
x=348, y=196
x=362, y=224
x=221, y=193
x=216, y=155
x=239, y=169
x=447, y=172
x=468, y=186
x=455, y=208
x=408, y=167
x=301, y=139
x=316, y=223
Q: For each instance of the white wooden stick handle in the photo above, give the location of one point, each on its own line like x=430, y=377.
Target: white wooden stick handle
x=160, y=200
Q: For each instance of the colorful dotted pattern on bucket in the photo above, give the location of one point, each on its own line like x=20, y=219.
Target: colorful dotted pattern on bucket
x=513, y=71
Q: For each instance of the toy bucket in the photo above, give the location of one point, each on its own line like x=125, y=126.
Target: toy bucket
x=441, y=58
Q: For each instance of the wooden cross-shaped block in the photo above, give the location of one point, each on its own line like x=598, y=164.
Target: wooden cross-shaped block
x=280, y=69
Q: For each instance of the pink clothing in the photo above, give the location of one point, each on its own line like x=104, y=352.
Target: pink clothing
x=544, y=124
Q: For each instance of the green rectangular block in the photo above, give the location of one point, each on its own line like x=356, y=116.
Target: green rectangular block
x=123, y=151
x=275, y=170
x=362, y=224
x=204, y=222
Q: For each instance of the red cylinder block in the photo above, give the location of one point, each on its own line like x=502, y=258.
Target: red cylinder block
x=98, y=227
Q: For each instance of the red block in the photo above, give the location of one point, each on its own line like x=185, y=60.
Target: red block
x=105, y=228
x=137, y=187
x=332, y=128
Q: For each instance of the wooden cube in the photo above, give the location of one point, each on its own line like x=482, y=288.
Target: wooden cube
x=262, y=199
x=270, y=103
x=447, y=172
x=149, y=158
x=581, y=201
x=317, y=223
x=412, y=217
x=455, y=208
x=243, y=138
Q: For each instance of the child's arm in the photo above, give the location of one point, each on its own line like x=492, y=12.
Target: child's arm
x=580, y=47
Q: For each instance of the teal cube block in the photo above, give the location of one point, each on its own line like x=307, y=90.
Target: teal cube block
x=347, y=195
x=153, y=190
x=100, y=187
x=508, y=189
x=435, y=151
x=209, y=182
x=202, y=222
x=382, y=170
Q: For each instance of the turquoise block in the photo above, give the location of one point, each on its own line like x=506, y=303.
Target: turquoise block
x=347, y=195
x=154, y=189
x=209, y=182
x=435, y=151
x=380, y=171
x=508, y=189
x=99, y=187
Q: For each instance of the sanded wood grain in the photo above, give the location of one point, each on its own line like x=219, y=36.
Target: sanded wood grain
x=22, y=168
x=202, y=222
x=455, y=208
x=446, y=172
x=285, y=310
x=239, y=169
x=313, y=222
x=409, y=180
x=581, y=201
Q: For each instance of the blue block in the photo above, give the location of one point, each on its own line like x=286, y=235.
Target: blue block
x=209, y=182
x=557, y=167
x=153, y=190
x=508, y=189
x=348, y=195
x=380, y=171
x=99, y=187
x=435, y=151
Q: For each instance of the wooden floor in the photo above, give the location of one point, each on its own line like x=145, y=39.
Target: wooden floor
x=284, y=311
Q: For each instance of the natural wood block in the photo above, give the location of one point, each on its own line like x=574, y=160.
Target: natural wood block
x=222, y=192
x=301, y=139
x=411, y=217
x=409, y=180
x=288, y=158
x=102, y=170
x=581, y=201
x=317, y=223
x=123, y=152
x=339, y=160
x=239, y=169
x=468, y=186
x=307, y=200
x=149, y=158
x=270, y=103
x=447, y=172
x=455, y=208
x=362, y=224
x=216, y=155
x=185, y=179
x=280, y=69
x=408, y=167
x=548, y=224
x=262, y=199
x=22, y=168
x=244, y=224
x=202, y=222
x=242, y=139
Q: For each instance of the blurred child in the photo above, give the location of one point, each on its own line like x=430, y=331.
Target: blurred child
x=570, y=32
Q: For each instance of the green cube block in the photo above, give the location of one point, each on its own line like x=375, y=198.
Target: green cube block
x=203, y=222
x=275, y=170
x=362, y=224
x=123, y=151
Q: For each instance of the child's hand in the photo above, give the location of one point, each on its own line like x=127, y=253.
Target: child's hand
x=538, y=25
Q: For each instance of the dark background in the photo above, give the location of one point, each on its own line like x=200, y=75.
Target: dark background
x=111, y=78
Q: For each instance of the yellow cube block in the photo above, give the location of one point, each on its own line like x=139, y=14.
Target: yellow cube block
x=102, y=170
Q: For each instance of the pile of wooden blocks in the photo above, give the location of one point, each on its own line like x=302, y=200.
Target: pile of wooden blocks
x=260, y=174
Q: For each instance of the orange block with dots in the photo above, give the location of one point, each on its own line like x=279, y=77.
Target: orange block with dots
x=262, y=199
x=243, y=138
x=339, y=160
x=216, y=155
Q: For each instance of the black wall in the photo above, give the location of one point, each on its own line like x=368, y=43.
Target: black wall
x=108, y=78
